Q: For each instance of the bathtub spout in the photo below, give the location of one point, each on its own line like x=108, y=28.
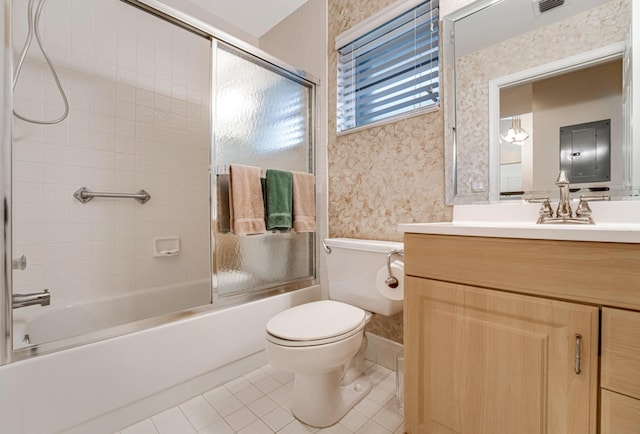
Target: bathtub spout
x=22, y=300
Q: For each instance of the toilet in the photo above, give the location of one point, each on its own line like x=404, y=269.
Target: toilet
x=323, y=343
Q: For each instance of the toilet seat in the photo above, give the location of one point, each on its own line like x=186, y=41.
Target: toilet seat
x=315, y=323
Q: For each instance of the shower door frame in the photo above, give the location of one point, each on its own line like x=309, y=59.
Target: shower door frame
x=162, y=11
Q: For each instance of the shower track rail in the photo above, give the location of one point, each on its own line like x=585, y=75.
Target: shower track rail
x=85, y=195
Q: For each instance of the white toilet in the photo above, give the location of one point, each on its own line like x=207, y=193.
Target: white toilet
x=323, y=342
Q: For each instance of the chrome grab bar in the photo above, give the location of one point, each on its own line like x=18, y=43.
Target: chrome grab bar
x=23, y=300
x=84, y=195
x=391, y=281
x=326, y=248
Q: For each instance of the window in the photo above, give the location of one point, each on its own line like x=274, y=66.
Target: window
x=391, y=70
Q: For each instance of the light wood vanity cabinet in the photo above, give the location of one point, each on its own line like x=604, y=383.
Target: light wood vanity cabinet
x=620, y=372
x=490, y=336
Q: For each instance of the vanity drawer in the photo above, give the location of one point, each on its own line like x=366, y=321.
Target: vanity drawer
x=621, y=351
x=620, y=414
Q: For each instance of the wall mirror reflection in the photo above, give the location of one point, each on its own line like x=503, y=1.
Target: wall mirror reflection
x=568, y=64
x=570, y=121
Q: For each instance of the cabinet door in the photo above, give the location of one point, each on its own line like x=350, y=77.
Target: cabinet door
x=620, y=414
x=479, y=361
x=621, y=352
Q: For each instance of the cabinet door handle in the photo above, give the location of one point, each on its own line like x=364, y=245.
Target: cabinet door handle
x=578, y=351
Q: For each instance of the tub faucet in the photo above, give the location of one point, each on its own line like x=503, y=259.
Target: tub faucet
x=23, y=300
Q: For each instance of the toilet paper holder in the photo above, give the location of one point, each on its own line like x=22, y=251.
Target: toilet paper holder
x=391, y=281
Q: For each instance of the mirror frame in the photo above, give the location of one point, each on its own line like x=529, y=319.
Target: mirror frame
x=568, y=64
x=451, y=145
x=448, y=88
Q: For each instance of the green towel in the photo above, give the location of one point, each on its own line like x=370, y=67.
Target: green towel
x=279, y=199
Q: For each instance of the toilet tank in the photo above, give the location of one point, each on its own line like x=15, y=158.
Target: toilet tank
x=352, y=267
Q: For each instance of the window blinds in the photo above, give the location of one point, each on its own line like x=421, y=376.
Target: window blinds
x=391, y=70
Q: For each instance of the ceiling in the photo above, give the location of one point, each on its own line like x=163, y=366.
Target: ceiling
x=255, y=17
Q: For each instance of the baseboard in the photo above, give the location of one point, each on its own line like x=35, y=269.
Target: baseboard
x=382, y=351
x=152, y=405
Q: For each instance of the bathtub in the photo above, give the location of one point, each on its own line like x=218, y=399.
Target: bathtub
x=38, y=325
x=106, y=385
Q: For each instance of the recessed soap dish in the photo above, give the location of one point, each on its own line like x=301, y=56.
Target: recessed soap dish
x=166, y=246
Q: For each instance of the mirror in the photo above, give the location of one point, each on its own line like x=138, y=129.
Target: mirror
x=537, y=69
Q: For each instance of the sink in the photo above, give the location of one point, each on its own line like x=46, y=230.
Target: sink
x=615, y=222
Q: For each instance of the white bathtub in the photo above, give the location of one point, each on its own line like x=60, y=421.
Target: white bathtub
x=51, y=323
x=104, y=386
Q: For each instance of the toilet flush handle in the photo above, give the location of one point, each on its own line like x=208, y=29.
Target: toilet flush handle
x=391, y=281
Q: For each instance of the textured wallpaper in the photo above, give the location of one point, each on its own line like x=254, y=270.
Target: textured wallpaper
x=381, y=176
x=595, y=28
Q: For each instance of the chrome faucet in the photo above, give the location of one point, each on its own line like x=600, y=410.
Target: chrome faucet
x=564, y=207
x=563, y=212
x=23, y=300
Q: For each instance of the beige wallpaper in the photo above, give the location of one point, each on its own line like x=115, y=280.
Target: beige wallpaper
x=385, y=175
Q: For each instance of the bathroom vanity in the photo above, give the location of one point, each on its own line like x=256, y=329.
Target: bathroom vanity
x=516, y=327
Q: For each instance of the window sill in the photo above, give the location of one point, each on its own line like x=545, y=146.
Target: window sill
x=393, y=119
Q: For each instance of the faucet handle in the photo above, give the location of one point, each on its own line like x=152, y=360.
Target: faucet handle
x=584, y=210
x=545, y=210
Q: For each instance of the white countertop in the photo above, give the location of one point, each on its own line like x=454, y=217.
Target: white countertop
x=615, y=222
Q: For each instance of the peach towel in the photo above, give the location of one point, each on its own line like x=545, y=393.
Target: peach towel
x=246, y=205
x=304, y=202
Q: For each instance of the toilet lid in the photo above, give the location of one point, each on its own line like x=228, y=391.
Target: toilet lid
x=317, y=320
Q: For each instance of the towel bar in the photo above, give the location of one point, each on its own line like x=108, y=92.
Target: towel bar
x=84, y=195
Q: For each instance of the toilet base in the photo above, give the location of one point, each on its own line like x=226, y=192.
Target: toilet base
x=320, y=400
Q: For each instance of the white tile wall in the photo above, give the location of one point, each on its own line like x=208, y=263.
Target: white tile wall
x=138, y=90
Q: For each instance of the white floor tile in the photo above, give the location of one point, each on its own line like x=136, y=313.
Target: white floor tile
x=256, y=375
x=392, y=405
x=218, y=427
x=295, y=427
x=257, y=427
x=373, y=428
x=281, y=395
x=227, y=406
x=388, y=383
x=262, y=406
x=368, y=407
x=335, y=429
x=268, y=384
x=172, y=421
x=270, y=369
x=259, y=403
x=241, y=418
x=249, y=394
x=278, y=419
x=199, y=412
x=354, y=420
x=377, y=373
x=387, y=419
x=144, y=427
x=217, y=394
x=237, y=385
x=380, y=396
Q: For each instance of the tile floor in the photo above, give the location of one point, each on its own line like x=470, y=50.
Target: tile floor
x=258, y=403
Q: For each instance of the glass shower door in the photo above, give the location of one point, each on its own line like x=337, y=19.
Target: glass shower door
x=262, y=117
